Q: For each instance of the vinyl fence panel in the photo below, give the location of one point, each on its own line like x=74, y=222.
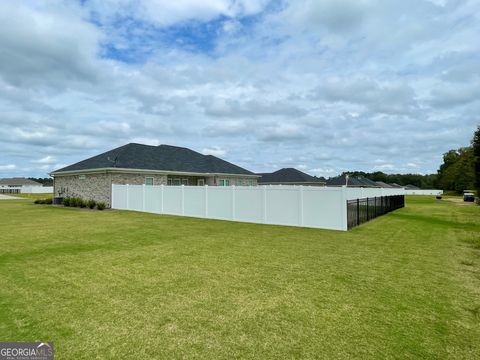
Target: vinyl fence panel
x=308, y=206
x=424, y=192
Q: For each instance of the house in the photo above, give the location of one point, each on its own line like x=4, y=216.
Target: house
x=411, y=187
x=383, y=185
x=290, y=176
x=16, y=185
x=17, y=182
x=352, y=181
x=137, y=164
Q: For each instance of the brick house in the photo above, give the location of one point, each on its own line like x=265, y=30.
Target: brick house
x=137, y=164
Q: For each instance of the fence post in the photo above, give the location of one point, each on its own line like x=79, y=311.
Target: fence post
x=367, y=209
x=344, y=216
x=161, y=203
x=206, y=200
x=128, y=202
x=143, y=197
x=300, y=199
x=233, y=202
x=183, y=200
x=111, y=197
x=358, y=211
x=264, y=202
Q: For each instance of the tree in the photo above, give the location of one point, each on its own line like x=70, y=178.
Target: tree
x=476, y=154
x=458, y=170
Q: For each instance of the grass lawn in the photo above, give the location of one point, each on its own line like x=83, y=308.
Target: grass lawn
x=117, y=284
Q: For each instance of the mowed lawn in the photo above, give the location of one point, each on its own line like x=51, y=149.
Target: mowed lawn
x=126, y=285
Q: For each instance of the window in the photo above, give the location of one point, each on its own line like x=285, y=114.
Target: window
x=169, y=182
x=184, y=181
x=149, y=181
x=82, y=177
x=176, y=182
x=224, y=182
x=201, y=182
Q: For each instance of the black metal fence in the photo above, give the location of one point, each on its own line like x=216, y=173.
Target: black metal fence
x=360, y=211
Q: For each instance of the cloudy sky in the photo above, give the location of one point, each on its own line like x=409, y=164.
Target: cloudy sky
x=321, y=85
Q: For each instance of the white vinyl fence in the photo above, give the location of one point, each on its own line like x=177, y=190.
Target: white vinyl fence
x=307, y=206
x=26, y=190
x=423, y=192
x=36, y=189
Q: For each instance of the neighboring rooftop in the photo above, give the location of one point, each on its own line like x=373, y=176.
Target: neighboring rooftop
x=161, y=158
x=18, y=181
x=352, y=181
x=411, y=187
x=289, y=176
x=383, y=184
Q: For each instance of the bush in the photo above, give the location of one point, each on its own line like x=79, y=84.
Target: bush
x=75, y=201
x=66, y=202
x=101, y=205
x=48, y=201
x=82, y=203
x=91, y=204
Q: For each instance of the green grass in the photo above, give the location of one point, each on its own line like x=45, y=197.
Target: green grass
x=119, y=284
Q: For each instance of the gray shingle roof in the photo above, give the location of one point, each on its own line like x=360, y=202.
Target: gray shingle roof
x=17, y=181
x=288, y=175
x=162, y=157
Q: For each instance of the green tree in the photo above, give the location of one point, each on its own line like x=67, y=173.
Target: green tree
x=476, y=154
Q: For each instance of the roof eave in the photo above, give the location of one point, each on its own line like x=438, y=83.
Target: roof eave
x=145, y=171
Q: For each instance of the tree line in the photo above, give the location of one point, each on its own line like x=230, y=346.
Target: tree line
x=459, y=171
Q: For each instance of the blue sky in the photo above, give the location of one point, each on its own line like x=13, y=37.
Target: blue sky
x=324, y=86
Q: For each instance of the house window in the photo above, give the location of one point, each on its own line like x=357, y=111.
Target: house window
x=224, y=182
x=184, y=181
x=149, y=180
x=169, y=182
x=82, y=177
x=176, y=182
x=201, y=182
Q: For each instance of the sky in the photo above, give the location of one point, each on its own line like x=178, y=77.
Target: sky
x=325, y=86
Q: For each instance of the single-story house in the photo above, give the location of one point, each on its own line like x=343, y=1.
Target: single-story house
x=352, y=181
x=137, y=164
x=384, y=185
x=17, y=182
x=290, y=176
x=411, y=187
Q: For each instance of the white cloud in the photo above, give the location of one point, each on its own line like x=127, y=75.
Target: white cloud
x=329, y=85
x=7, y=167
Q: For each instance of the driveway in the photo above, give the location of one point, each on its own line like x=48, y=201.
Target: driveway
x=6, y=197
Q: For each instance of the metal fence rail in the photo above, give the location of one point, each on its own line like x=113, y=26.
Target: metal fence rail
x=360, y=211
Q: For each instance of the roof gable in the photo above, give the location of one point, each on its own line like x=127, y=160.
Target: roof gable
x=287, y=175
x=157, y=158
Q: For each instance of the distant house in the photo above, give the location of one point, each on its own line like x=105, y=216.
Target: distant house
x=352, y=181
x=290, y=176
x=137, y=164
x=411, y=187
x=383, y=185
x=16, y=185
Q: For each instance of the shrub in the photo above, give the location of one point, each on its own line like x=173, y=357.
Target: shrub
x=82, y=203
x=48, y=201
x=75, y=201
x=66, y=202
x=101, y=205
x=91, y=204
x=38, y=201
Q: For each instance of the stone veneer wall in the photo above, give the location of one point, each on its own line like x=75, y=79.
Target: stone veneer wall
x=98, y=186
